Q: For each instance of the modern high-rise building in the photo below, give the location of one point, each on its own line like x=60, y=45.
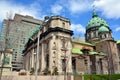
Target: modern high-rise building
x=15, y=33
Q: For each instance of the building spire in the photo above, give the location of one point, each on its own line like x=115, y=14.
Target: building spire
x=94, y=12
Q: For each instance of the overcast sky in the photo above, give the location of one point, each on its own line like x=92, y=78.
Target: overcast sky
x=78, y=11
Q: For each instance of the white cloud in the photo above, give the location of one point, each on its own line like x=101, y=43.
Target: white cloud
x=117, y=29
x=78, y=6
x=109, y=8
x=77, y=28
x=56, y=9
x=75, y=6
x=9, y=7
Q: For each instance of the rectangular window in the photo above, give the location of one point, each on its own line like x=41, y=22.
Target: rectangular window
x=63, y=65
x=74, y=65
x=63, y=24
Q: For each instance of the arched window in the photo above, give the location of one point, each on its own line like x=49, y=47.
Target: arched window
x=91, y=34
x=100, y=36
x=105, y=35
x=95, y=34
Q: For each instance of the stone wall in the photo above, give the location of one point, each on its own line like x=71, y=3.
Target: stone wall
x=59, y=77
x=78, y=78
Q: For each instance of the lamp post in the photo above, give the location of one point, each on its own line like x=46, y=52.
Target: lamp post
x=38, y=40
x=37, y=55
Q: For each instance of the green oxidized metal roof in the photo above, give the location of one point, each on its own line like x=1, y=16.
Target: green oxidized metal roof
x=96, y=21
x=76, y=51
x=97, y=53
x=93, y=53
x=118, y=42
x=84, y=43
x=103, y=29
x=102, y=54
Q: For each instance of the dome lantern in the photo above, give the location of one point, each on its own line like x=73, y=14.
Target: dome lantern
x=94, y=14
x=96, y=21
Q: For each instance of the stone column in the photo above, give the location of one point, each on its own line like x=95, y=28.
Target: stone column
x=42, y=57
x=105, y=66
x=50, y=56
x=89, y=64
x=32, y=63
x=28, y=60
x=58, y=56
x=69, y=61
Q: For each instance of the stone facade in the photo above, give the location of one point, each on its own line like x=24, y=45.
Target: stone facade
x=118, y=45
x=99, y=34
x=112, y=58
x=54, y=46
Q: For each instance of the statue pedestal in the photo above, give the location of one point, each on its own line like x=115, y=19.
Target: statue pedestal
x=6, y=61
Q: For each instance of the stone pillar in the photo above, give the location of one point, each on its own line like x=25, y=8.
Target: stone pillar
x=97, y=63
x=30, y=60
x=42, y=58
x=50, y=56
x=105, y=65
x=32, y=63
x=89, y=64
x=27, y=61
x=58, y=55
x=69, y=61
x=115, y=58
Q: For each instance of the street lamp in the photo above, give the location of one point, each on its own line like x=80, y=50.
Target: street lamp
x=38, y=40
x=37, y=55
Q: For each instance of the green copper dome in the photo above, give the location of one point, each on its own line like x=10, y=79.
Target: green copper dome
x=103, y=29
x=96, y=21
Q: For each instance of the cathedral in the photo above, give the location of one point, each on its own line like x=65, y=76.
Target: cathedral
x=52, y=48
